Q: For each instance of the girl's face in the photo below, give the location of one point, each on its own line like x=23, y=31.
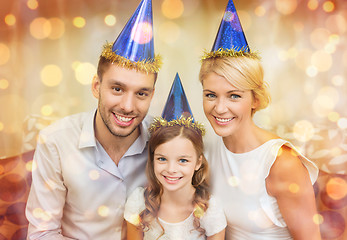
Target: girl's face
x=174, y=164
x=228, y=109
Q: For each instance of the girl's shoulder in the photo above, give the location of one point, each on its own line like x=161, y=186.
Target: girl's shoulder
x=134, y=206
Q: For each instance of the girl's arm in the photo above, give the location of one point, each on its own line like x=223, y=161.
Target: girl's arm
x=133, y=232
x=290, y=184
x=217, y=236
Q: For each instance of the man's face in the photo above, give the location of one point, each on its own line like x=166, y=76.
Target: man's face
x=124, y=97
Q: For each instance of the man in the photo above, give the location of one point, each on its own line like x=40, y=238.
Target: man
x=87, y=164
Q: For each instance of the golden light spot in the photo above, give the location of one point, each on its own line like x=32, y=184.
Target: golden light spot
x=198, y=212
x=4, y=54
x=233, y=181
x=4, y=83
x=75, y=64
x=32, y=4
x=42, y=139
x=336, y=188
x=172, y=8
x=110, y=20
x=336, y=23
x=333, y=116
x=2, y=169
x=260, y=11
x=85, y=72
x=40, y=28
x=51, y=185
x=29, y=166
x=10, y=19
x=338, y=80
x=228, y=16
x=58, y=28
x=292, y=52
x=303, y=59
x=46, y=110
x=303, y=130
x=1, y=126
x=286, y=7
x=336, y=151
x=51, y=75
x=312, y=4
x=318, y=219
x=79, y=22
x=103, y=211
x=328, y=6
x=320, y=37
x=142, y=33
x=169, y=32
x=342, y=123
x=334, y=39
x=94, y=174
x=37, y=212
x=327, y=99
x=311, y=71
x=46, y=216
x=134, y=219
x=294, y=188
x=330, y=48
x=293, y=152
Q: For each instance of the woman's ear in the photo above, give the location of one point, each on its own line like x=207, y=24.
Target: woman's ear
x=198, y=163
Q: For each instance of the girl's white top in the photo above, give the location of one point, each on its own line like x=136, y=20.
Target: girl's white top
x=213, y=221
x=238, y=180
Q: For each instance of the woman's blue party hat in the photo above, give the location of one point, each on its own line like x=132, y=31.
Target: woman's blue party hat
x=230, y=39
x=134, y=47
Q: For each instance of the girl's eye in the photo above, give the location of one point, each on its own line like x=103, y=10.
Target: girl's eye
x=183, y=160
x=161, y=159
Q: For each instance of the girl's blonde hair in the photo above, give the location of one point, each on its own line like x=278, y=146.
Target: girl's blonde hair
x=244, y=73
x=200, y=180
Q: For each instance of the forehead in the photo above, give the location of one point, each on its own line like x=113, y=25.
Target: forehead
x=177, y=145
x=215, y=81
x=128, y=77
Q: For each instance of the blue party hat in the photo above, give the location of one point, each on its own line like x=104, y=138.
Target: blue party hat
x=177, y=105
x=177, y=111
x=134, y=47
x=230, y=39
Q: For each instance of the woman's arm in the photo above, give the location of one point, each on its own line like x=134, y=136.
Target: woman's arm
x=290, y=184
x=217, y=236
x=133, y=232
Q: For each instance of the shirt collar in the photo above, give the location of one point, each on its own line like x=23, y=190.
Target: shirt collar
x=87, y=137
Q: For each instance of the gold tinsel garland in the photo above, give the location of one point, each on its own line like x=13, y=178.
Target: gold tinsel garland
x=221, y=52
x=159, y=122
x=148, y=66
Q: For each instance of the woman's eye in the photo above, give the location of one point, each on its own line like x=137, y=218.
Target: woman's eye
x=210, y=95
x=235, y=96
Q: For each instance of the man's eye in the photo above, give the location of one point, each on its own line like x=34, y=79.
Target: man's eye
x=142, y=94
x=117, y=89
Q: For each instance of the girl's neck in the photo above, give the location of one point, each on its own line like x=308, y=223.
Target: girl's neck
x=182, y=196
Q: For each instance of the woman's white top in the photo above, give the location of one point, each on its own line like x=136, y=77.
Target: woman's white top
x=238, y=180
x=213, y=221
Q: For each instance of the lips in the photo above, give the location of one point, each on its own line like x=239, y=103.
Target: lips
x=172, y=180
x=223, y=121
x=122, y=120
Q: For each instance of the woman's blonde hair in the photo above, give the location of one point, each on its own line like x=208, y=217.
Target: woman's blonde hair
x=244, y=73
x=200, y=179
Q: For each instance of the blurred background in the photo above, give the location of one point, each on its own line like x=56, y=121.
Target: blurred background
x=49, y=50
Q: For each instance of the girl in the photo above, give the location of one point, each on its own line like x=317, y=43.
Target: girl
x=177, y=203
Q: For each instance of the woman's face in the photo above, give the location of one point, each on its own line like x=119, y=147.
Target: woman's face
x=228, y=109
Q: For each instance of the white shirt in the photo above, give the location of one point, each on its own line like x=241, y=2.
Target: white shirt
x=77, y=190
x=213, y=221
x=238, y=180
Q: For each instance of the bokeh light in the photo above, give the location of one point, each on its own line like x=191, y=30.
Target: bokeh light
x=94, y=174
x=333, y=116
x=322, y=61
x=40, y=28
x=246, y=19
x=286, y=7
x=328, y=6
x=336, y=23
x=338, y=80
x=342, y=123
x=4, y=54
x=79, y=22
x=172, y=8
x=103, y=211
x=84, y=73
x=311, y=71
x=320, y=37
x=1, y=126
x=233, y=181
x=4, y=84
x=32, y=4
x=57, y=28
x=110, y=20
x=336, y=188
x=46, y=110
x=142, y=33
x=312, y=4
x=303, y=130
x=303, y=59
x=10, y=19
x=318, y=219
x=169, y=32
x=259, y=11
x=294, y=188
x=51, y=75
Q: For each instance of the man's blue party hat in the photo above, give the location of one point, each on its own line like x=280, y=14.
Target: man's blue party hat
x=177, y=105
x=230, y=39
x=134, y=47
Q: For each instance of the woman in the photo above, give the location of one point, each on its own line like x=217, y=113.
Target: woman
x=264, y=183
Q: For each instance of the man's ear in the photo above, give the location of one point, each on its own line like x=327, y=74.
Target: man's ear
x=198, y=163
x=96, y=86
